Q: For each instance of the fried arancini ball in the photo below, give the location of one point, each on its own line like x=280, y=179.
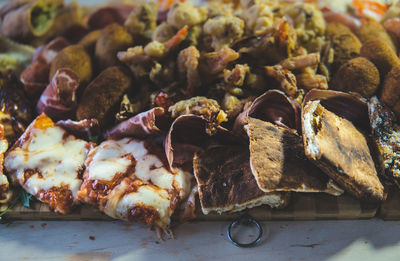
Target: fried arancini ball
x=373, y=29
x=89, y=40
x=102, y=96
x=357, y=75
x=114, y=38
x=75, y=58
x=390, y=94
x=345, y=44
x=380, y=53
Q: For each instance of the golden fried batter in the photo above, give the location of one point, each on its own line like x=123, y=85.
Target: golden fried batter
x=357, y=75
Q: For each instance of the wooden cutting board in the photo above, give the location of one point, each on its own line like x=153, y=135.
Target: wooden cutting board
x=390, y=209
x=303, y=206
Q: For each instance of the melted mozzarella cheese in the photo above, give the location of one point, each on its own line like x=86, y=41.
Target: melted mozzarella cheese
x=107, y=160
x=157, y=180
x=150, y=168
x=311, y=144
x=120, y=203
x=148, y=196
x=183, y=181
x=58, y=159
x=3, y=149
x=3, y=180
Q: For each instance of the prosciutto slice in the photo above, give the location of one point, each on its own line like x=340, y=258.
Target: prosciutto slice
x=36, y=76
x=58, y=100
x=86, y=129
x=332, y=15
x=108, y=15
x=349, y=106
x=142, y=125
x=188, y=135
x=273, y=106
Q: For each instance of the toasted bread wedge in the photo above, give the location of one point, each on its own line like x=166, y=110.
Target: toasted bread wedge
x=278, y=162
x=340, y=149
x=226, y=183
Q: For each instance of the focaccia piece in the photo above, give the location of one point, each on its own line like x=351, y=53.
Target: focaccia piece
x=341, y=150
x=5, y=193
x=226, y=183
x=129, y=179
x=278, y=161
x=48, y=163
x=386, y=133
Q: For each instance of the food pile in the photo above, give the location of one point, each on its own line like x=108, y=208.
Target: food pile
x=137, y=108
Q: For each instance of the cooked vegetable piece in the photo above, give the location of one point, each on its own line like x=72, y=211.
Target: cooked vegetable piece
x=16, y=112
x=33, y=19
x=14, y=56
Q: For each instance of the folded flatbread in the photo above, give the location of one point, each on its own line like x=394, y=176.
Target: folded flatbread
x=340, y=149
x=278, y=161
x=226, y=183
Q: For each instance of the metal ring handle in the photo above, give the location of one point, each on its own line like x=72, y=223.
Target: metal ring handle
x=245, y=220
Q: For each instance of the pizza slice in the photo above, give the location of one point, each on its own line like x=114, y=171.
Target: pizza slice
x=48, y=163
x=5, y=193
x=129, y=179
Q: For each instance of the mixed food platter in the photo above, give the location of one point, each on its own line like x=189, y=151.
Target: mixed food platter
x=167, y=111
